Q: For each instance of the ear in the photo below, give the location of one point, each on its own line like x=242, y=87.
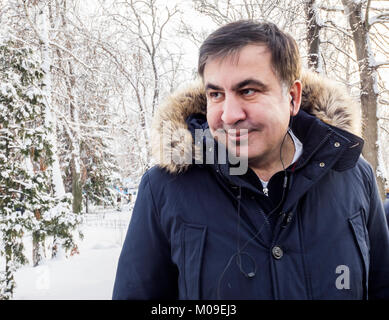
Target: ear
x=295, y=97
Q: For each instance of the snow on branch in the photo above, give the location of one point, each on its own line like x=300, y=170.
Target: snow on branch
x=69, y=52
x=329, y=8
x=330, y=24
x=339, y=49
x=380, y=64
x=341, y=9
x=379, y=18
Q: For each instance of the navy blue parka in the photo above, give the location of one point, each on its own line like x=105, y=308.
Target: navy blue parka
x=198, y=232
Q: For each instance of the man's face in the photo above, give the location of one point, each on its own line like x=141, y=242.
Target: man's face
x=243, y=92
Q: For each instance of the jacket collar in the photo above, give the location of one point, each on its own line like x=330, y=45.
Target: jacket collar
x=328, y=117
x=325, y=142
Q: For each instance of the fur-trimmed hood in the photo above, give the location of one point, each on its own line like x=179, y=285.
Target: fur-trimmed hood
x=321, y=97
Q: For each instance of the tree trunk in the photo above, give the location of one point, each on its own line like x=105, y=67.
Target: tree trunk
x=76, y=188
x=74, y=116
x=50, y=117
x=86, y=204
x=54, y=248
x=9, y=274
x=37, y=248
x=38, y=243
x=368, y=84
x=313, y=38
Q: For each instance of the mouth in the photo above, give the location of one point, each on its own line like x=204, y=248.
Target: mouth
x=238, y=134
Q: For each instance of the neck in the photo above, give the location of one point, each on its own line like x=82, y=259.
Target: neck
x=266, y=168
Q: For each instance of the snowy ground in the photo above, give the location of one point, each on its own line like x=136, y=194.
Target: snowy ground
x=87, y=275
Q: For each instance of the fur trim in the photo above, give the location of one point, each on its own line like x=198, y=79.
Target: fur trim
x=330, y=102
x=171, y=139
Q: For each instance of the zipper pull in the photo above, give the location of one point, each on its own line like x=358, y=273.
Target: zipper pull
x=266, y=191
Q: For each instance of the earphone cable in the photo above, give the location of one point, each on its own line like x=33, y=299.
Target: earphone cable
x=239, y=251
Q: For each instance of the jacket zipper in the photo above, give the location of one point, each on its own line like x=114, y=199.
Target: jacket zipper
x=265, y=217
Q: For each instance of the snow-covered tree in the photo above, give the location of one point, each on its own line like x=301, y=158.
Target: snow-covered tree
x=313, y=35
x=27, y=201
x=361, y=21
x=22, y=138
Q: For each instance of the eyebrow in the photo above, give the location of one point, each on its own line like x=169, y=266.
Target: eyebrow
x=211, y=86
x=251, y=82
x=239, y=85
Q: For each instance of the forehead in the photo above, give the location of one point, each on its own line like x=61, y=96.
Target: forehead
x=252, y=61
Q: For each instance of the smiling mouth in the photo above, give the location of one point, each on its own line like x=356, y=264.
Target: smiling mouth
x=238, y=135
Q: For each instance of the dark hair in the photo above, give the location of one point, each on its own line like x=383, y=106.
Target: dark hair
x=231, y=38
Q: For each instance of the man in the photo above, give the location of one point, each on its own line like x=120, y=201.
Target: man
x=304, y=221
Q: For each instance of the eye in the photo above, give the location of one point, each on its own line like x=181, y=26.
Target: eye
x=215, y=96
x=248, y=92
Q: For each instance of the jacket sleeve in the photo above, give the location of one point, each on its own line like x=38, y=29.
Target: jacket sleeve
x=379, y=245
x=145, y=270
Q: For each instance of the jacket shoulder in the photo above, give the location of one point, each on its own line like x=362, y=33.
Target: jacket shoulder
x=160, y=177
x=165, y=184
x=153, y=183
x=366, y=170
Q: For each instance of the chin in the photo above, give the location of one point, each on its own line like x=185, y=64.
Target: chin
x=240, y=152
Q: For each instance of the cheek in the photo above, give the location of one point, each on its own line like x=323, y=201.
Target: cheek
x=214, y=118
x=273, y=117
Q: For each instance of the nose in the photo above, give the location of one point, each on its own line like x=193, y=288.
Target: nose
x=232, y=111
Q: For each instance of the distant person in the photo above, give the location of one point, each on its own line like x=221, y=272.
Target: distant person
x=119, y=196
x=302, y=220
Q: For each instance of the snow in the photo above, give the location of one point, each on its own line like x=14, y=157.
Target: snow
x=380, y=18
x=88, y=275
x=51, y=120
x=5, y=174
